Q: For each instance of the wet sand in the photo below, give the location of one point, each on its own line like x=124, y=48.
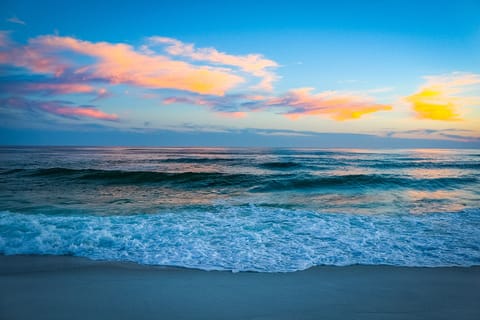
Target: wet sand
x=51, y=287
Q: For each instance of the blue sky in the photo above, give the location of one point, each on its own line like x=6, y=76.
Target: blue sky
x=302, y=73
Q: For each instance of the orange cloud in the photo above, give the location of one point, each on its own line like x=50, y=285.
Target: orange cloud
x=118, y=64
x=443, y=96
x=338, y=106
x=254, y=64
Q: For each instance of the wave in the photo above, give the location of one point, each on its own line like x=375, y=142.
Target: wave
x=420, y=164
x=250, y=238
x=201, y=179
x=11, y=171
x=360, y=181
x=280, y=165
x=198, y=160
x=252, y=182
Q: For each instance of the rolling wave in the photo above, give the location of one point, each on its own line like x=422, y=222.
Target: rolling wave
x=255, y=182
x=360, y=181
x=205, y=179
x=198, y=160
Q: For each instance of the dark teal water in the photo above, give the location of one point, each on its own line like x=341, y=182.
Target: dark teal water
x=242, y=209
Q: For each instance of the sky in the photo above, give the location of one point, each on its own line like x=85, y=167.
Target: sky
x=386, y=74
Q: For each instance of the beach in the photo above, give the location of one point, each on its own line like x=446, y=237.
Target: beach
x=64, y=287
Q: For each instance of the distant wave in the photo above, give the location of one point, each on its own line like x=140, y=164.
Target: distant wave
x=280, y=165
x=198, y=160
x=203, y=179
x=256, y=182
x=421, y=164
x=360, y=180
x=11, y=171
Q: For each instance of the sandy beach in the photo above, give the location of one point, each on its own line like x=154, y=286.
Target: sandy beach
x=53, y=287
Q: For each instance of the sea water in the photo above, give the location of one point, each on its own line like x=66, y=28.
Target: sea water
x=265, y=210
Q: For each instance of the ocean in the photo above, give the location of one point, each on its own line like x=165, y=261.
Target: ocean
x=241, y=209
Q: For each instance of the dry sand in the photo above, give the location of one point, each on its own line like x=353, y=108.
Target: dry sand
x=48, y=287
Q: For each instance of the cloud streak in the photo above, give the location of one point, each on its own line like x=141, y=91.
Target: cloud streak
x=16, y=20
x=452, y=134
x=294, y=104
x=52, y=88
x=58, y=108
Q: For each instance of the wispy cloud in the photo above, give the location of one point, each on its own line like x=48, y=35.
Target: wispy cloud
x=4, y=38
x=452, y=134
x=255, y=64
x=232, y=103
x=58, y=108
x=442, y=97
x=52, y=88
x=16, y=20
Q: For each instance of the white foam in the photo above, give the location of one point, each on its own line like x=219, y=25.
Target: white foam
x=250, y=238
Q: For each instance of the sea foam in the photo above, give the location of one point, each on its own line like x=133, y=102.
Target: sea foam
x=250, y=238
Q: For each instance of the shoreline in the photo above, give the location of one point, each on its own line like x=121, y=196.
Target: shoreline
x=65, y=287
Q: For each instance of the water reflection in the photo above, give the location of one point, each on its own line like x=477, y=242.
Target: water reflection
x=434, y=201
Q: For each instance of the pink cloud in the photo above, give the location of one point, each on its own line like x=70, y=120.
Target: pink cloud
x=57, y=108
x=87, y=112
x=31, y=57
x=189, y=100
x=236, y=114
x=4, y=38
x=53, y=88
x=61, y=88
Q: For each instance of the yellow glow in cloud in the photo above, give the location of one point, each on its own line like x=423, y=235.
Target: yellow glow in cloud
x=434, y=105
x=443, y=96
